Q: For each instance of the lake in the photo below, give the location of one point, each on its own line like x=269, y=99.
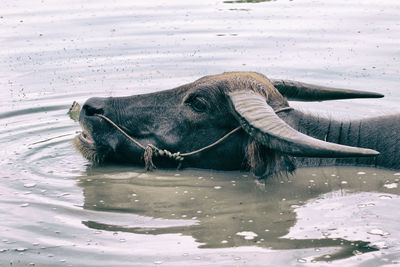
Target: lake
x=56, y=209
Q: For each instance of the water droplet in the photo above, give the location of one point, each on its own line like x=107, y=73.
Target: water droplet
x=158, y=262
x=217, y=187
x=397, y=174
x=378, y=232
x=224, y=241
x=3, y=250
x=343, y=182
x=247, y=235
x=24, y=205
x=385, y=197
x=302, y=260
x=326, y=234
x=21, y=249
x=390, y=186
x=237, y=258
x=379, y=245
x=360, y=173
x=29, y=185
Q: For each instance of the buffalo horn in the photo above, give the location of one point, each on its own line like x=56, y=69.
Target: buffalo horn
x=308, y=92
x=259, y=120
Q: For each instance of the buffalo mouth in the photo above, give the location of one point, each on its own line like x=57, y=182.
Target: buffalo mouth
x=86, y=145
x=86, y=139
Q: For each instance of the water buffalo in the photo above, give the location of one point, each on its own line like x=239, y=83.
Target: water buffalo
x=232, y=121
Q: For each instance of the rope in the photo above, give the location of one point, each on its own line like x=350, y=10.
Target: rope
x=213, y=144
x=122, y=131
x=151, y=150
x=283, y=109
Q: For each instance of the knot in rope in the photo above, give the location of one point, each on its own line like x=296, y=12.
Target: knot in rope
x=148, y=158
x=151, y=150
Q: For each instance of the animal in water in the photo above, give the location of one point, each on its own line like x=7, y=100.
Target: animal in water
x=234, y=121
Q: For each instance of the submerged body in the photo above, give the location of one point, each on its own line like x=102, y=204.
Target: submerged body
x=271, y=137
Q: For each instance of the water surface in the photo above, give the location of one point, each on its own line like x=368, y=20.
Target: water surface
x=58, y=210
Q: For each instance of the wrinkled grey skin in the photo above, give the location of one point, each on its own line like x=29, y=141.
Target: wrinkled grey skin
x=379, y=133
x=197, y=114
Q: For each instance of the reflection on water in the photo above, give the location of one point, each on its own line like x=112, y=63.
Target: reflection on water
x=231, y=209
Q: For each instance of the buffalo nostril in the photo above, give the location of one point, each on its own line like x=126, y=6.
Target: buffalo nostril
x=90, y=111
x=94, y=105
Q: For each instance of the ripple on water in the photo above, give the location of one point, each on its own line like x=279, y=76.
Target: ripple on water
x=115, y=215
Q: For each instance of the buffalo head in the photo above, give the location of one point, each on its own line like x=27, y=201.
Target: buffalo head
x=195, y=115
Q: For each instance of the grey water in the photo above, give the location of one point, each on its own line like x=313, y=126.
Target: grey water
x=56, y=209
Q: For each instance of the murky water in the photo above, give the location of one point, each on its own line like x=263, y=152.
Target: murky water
x=58, y=210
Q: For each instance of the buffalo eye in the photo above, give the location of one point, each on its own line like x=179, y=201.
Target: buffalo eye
x=197, y=103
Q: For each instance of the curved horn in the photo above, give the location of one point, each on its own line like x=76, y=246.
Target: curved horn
x=308, y=92
x=259, y=120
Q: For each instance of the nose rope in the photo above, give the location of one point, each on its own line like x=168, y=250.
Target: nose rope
x=151, y=150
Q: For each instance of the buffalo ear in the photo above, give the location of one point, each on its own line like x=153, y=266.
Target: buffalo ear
x=259, y=120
